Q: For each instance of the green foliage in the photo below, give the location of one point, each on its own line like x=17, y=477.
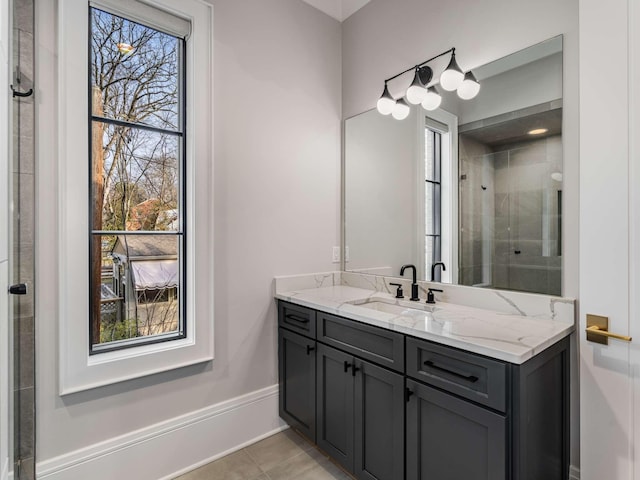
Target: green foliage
x=118, y=330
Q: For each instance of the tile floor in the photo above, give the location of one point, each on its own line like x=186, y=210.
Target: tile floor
x=283, y=456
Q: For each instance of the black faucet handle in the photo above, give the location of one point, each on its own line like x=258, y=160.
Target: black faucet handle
x=399, y=293
x=431, y=298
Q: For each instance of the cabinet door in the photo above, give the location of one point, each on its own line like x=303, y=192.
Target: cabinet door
x=335, y=404
x=450, y=439
x=379, y=423
x=297, y=371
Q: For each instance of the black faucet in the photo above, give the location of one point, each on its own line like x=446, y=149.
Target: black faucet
x=433, y=270
x=414, y=284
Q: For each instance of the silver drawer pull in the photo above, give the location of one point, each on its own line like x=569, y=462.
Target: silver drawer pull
x=470, y=378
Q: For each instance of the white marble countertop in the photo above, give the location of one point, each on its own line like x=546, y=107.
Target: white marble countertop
x=507, y=337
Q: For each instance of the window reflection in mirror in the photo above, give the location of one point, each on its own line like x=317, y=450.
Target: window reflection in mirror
x=491, y=210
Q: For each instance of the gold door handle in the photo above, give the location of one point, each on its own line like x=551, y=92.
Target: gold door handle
x=598, y=330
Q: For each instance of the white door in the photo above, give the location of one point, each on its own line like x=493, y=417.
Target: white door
x=634, y=146
x=5, y=364
x=609, y=236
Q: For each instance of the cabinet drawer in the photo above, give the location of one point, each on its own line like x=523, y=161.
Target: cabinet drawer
x=470, y=376
x=296, y=318
x=378, y=345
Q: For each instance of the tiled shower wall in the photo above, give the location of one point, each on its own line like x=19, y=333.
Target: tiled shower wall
x=526, y=217
x=476, y=212
x=508, y=204
x=23, y=239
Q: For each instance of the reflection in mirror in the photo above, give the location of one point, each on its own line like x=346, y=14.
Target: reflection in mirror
x=470, y=193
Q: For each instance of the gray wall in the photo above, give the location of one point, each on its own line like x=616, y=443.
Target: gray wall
x=277, y=193
x=386, y=37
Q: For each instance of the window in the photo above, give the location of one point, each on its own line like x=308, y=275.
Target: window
x=433, y=199
x=137, y=173
x=437, y=174
x=135, y=255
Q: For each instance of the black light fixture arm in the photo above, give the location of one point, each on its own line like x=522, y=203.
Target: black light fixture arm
x=451, y=50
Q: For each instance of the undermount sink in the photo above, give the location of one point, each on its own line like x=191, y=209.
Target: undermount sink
x=396, y=309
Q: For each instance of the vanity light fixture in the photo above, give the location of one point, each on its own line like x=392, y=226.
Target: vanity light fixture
x=432, y=99
x=453, y=76
x=416, y=92
x=386, y=102
x=419, y=92
x=401, y=109
x=469, y=87
x=538, y=131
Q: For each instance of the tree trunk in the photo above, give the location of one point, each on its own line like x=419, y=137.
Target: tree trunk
x=97, y=176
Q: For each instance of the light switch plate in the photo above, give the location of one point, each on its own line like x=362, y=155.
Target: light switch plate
x=336, y=255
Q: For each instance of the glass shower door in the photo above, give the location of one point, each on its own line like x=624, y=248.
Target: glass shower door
x=21, y=251
x=534, y=262
x=511, y=208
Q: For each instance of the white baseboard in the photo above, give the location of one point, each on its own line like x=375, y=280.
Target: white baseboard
x=574, y=473
x=176, y=446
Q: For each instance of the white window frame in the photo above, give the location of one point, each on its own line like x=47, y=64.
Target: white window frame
x=449, y=194
x=77, y=369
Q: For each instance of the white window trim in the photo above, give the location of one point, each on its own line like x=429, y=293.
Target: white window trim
x=449, y=195
x=78, y=370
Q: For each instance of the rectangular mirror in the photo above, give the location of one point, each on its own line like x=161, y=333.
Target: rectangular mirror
x=475, y=185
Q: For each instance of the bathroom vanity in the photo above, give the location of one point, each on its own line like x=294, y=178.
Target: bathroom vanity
x=393, y=389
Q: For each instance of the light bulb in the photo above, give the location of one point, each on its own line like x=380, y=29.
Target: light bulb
x=432, y=99
x=469, y=87
x=401, y=110
x=386, y=103
x=416, y=92
x=452, y=77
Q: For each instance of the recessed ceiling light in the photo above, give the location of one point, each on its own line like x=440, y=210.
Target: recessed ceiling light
x=538, y=131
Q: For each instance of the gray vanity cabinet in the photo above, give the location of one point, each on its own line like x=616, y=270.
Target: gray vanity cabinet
x=297, y=380
x=360, y=415
x=450, y=439
x=379, y=417
x=388, y=406
x=335, y=405
x=469, y=416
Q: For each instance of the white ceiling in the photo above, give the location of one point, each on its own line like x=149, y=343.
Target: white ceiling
x=338, y=9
